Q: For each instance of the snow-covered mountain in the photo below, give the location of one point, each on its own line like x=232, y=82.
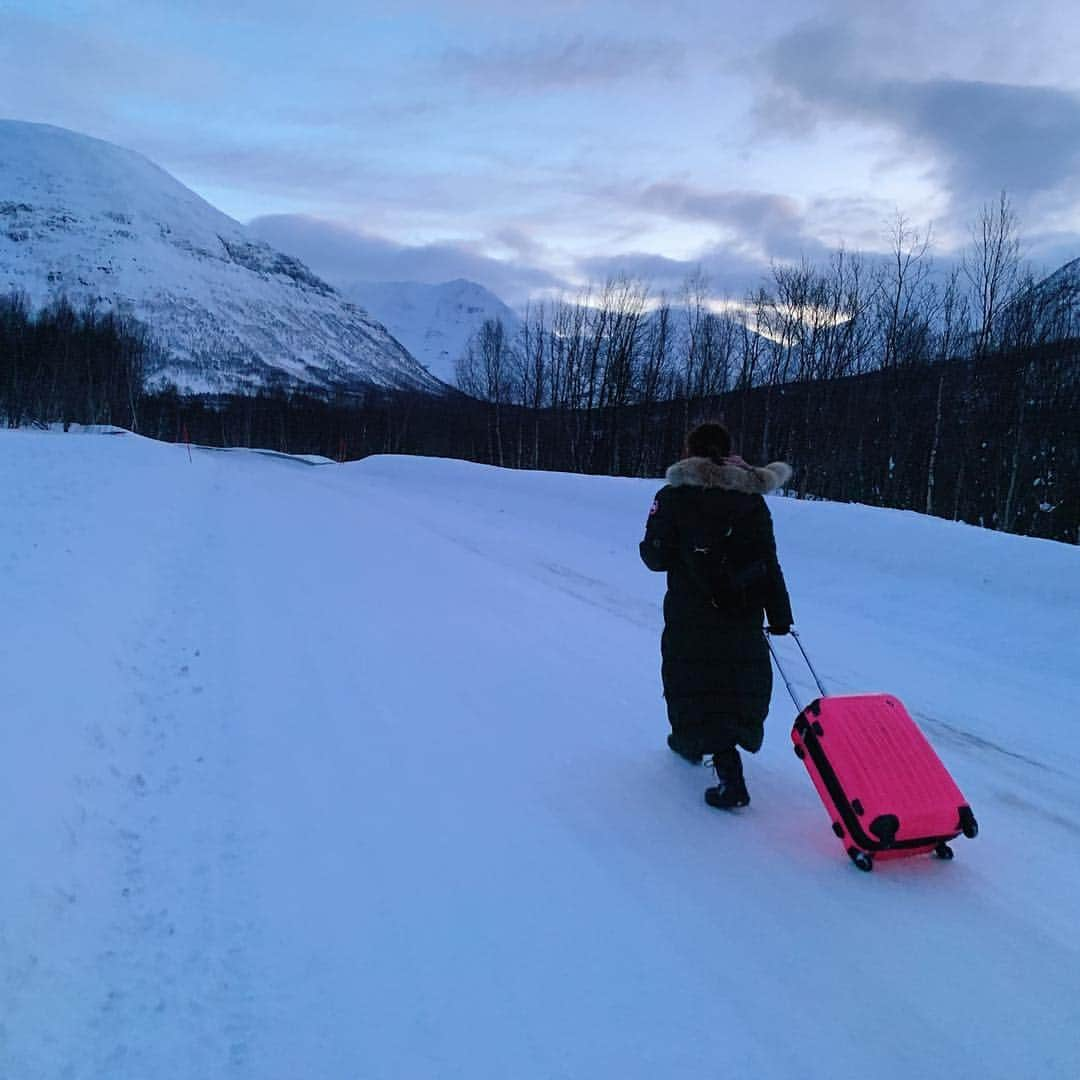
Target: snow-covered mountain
x=1048, y=309
x=1066, y=277
x=104, y=225
x=1058, y=297
x=434, y=322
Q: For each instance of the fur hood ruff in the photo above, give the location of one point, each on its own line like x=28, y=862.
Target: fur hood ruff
x=706, y=473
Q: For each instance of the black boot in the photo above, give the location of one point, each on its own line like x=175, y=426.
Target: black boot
x=730, y=791
x=688, y=749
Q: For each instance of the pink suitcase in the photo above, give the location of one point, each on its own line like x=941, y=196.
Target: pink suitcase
x=885, y=788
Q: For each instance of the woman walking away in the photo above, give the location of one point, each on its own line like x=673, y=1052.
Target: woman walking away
x=710, y=529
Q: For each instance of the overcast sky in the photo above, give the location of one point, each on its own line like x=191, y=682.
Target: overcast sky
x=535, y=145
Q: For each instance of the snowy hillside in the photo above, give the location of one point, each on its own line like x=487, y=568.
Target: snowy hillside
x=1055, y=301
x=1065, y=277
x=403, y=808
x=103, y=225
x=434, y=322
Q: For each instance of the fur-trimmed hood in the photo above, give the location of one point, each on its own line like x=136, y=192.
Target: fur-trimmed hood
x=706, y=473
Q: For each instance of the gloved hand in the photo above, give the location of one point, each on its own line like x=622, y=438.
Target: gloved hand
x=779, y=631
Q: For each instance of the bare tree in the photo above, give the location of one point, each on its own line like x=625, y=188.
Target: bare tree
x=953, y=332
x=529, y=361
x=654, y=382
x=992, y=267
x=905, y=298
x=485, y=371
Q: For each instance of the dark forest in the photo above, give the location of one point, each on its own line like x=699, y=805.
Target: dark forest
x=882, y=383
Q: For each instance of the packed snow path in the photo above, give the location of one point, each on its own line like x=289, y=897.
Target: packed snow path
x=359, y=772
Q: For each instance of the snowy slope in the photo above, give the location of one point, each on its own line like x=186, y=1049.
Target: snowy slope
x=103, y=225
x=403, y=808
x=1065, y=278
x=434, y=322
x=1055, y=302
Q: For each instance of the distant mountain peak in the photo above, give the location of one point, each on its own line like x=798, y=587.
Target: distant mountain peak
x=434, y=322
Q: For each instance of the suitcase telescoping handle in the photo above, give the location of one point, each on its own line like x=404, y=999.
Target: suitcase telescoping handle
x=783, y=674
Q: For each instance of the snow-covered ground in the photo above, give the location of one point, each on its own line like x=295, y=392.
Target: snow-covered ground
x=320, y=771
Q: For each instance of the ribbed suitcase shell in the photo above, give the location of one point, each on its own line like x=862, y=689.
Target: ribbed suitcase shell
x=883, y=784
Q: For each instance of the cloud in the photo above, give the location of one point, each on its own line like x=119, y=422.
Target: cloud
x=566, y=64
x=521, y=242
x=772, y=224
x=989, y=135
x=330, y=177
x=729, y=272
x=979, y=136
x=343, y=255
x=83, y=77
x=260, y=166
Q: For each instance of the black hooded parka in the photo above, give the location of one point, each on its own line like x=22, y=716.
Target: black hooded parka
x=716, y=670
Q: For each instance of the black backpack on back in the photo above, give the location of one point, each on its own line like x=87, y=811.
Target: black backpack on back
x=725, y=561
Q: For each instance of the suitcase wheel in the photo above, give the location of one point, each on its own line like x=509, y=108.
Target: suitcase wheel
x=943, y=851
x=862, y=859
x=968, y=825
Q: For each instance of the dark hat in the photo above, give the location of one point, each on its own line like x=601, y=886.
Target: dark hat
x=709, y=440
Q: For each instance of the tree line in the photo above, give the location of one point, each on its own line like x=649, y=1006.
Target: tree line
x=882, y=382
x=933, y=438
x=65, y=365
